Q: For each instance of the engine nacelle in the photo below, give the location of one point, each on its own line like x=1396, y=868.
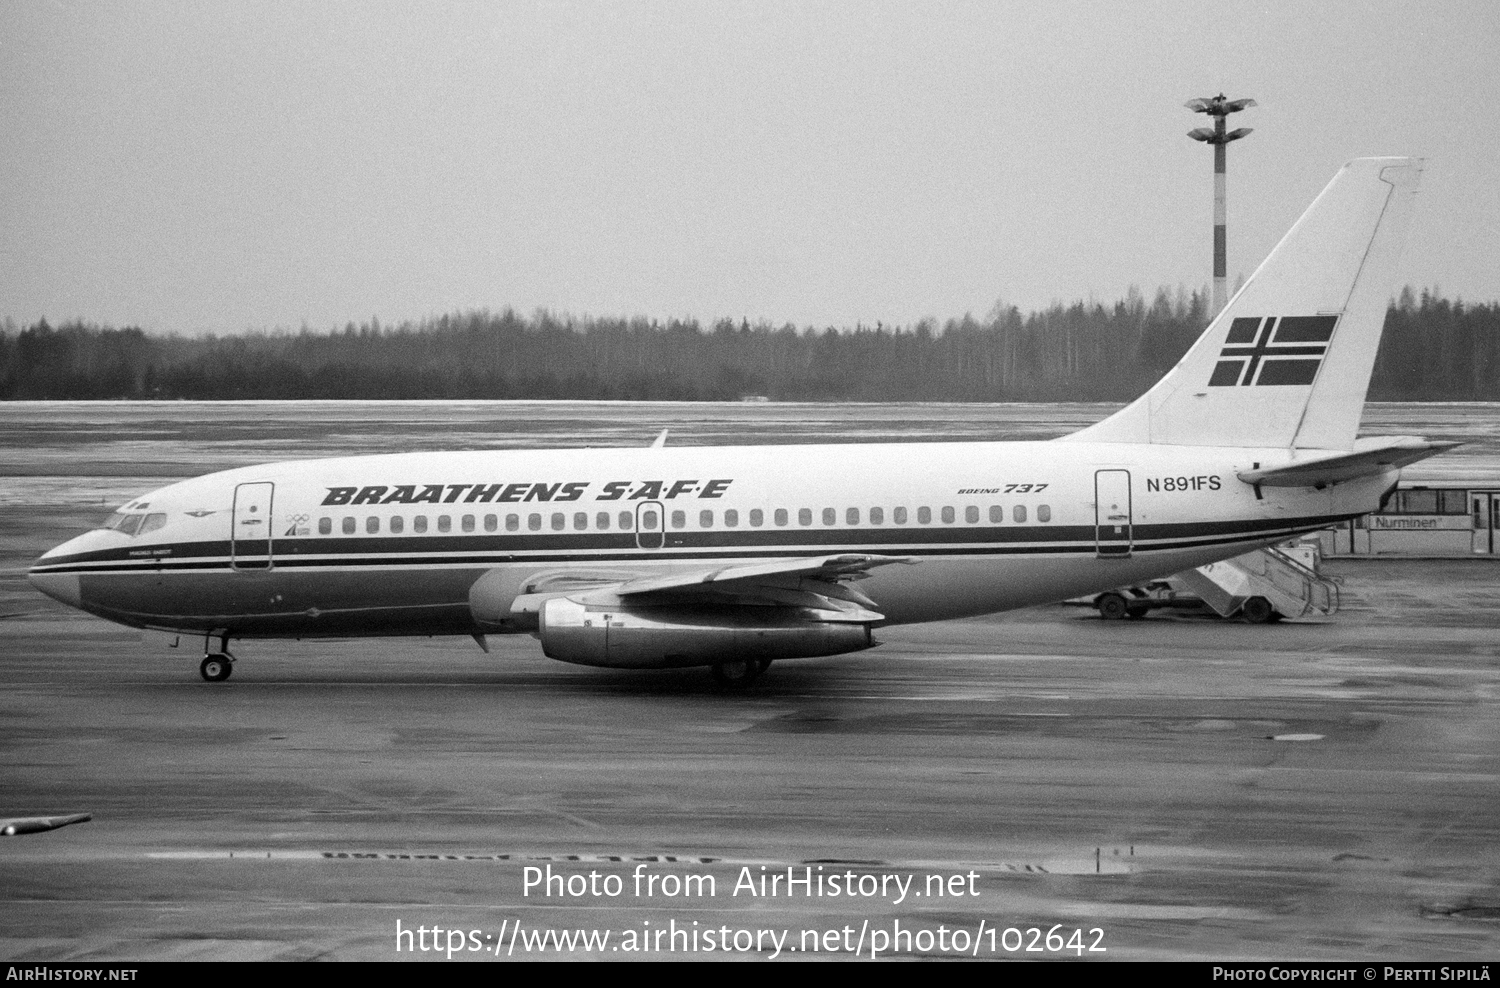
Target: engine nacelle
x=676, y=636
x=508, y=600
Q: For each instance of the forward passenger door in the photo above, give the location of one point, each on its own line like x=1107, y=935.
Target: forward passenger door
x=250, y=526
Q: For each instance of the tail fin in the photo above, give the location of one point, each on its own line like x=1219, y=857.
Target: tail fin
x=1288, y=361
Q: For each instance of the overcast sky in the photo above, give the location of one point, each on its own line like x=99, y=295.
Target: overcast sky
x=221, y=166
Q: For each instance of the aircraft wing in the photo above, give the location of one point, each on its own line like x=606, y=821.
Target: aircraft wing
x=821, y=583
x=818, y=582
x=828, y=568
x=1369, y=457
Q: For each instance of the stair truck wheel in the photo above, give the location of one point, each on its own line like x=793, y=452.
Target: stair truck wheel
x=1258, y=610
x=1112, y=606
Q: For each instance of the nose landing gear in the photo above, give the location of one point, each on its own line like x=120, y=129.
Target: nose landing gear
x=216, y=666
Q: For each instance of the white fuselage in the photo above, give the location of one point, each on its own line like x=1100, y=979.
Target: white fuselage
x=397, y=544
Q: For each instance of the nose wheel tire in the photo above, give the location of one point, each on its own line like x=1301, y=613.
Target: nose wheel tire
x=215, y=668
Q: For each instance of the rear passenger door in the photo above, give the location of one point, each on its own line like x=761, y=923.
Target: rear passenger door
x=1112, y=522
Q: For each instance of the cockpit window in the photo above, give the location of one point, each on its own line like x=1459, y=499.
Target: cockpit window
x=135, y=524
x=123, y=523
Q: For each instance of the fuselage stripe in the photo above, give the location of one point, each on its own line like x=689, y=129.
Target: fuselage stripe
x=1072, y=540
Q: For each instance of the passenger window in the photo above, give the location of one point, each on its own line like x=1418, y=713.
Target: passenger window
x=851, y=517
x=1044, y=512
x=971, y=515
x=731, y=518
x=877, y=516
x=781, y=516
x=467, y=523
x=804, y=516
x=325, y=526
x=948, y=515
x=512, y=523
x=997, y=514
x=349, y=525
x=559, y=521
x=830, y=517
x=580, y=521
x=534, y=522
x=419, y=523
x=627, y=521
x=152, y=523
x=648, y=518
x=601, y=521
x=445, y=524
x=397, y=524
x=372, y=525
x=899, y=516
x=705, y=519
x=491, y=522
x=924, y=516
x=1018, y=512
x=757, y=517
x=679, y=519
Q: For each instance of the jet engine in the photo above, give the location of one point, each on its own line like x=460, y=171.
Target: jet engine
x=673, y=636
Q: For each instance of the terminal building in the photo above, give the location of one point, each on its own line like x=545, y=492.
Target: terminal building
x=1426, y=516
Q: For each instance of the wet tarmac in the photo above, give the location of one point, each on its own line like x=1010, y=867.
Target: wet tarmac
x=1174, y=788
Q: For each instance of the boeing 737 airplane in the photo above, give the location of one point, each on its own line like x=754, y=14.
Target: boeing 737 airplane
x=732, y=557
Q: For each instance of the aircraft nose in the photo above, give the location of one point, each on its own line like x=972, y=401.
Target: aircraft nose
x=58, y=586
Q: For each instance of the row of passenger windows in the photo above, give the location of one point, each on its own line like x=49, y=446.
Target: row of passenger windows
x=602, y=521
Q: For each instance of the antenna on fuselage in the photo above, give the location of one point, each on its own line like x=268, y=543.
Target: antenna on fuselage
x=660, y=440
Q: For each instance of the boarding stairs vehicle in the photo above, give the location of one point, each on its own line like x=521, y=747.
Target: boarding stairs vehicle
x=1262, y=586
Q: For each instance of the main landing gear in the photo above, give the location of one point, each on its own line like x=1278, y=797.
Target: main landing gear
x=737, y=674
x=216, y=666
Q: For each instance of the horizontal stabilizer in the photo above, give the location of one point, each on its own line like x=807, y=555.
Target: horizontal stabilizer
x=39, y=824
x=1370, y=457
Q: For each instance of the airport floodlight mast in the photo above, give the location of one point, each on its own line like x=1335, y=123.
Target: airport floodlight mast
x=1218, y=107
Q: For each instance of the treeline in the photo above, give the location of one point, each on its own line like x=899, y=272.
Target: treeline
x=1433, y=349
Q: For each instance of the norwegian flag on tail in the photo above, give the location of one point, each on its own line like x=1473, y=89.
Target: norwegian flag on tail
x=1273, y=350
